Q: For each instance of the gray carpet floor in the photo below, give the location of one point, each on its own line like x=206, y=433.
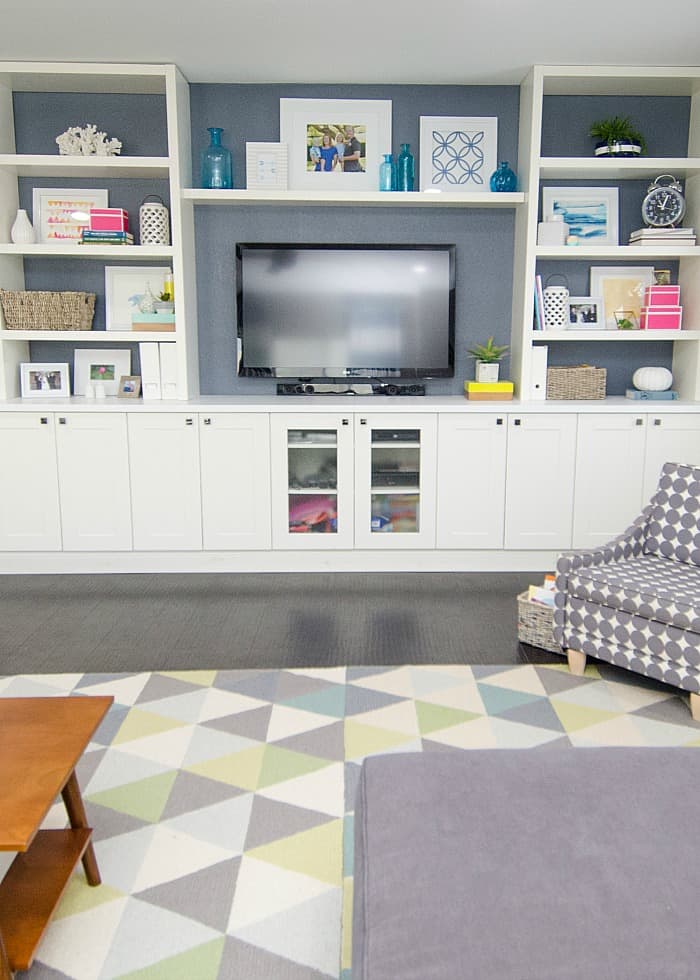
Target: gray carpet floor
x=118, y=623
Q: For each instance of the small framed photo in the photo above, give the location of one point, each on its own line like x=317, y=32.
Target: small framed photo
x=457, y=153
x=44, y=380
x=585, y=313
x=266, y=166
x=590, y=212
x=125, y=287
x=60, y=213
x=621, y=288
x=129, y=386
x=100, y=367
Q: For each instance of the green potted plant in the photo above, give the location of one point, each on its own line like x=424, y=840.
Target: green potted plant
x=617, y=137
x=487, y=357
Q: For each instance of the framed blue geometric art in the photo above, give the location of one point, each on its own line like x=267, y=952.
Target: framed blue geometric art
x=457, y=153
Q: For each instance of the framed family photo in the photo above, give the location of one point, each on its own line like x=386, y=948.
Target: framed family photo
x=44, y=380
x=335, y=143
x=590, y=212
x=60, y=213
x=585, y=313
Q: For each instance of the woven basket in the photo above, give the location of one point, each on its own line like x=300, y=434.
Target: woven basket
x=576, y=382
x=26, y=310
x=535, y=624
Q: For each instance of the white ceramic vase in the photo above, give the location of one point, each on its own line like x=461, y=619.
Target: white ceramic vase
x=22, y=232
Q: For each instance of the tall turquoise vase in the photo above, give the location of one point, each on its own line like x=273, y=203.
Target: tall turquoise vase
x=406, y=169
x=217, y=169
x=503, y=179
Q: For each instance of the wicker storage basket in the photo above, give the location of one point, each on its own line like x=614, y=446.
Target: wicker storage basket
x=26, y=310
x=576, y=382
x=535, y=624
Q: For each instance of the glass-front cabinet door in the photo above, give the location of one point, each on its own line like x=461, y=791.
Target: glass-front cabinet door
x=395, y=459
x=312, y=481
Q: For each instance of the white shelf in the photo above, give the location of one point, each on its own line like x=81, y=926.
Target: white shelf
x=389, y=491
x=384, y=199
x=72, y=250
x=38, y=165
x=391, y=444
x=620, y=253
x=312, y=491
x=614, y=168
x=615, y=335
x=91, y=336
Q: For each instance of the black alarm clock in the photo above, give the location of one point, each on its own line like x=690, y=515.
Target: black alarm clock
x=664, y=204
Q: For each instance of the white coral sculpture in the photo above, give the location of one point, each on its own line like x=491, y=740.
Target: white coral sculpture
x=86, y=141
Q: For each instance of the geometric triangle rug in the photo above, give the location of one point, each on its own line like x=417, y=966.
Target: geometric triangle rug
x=222, y=801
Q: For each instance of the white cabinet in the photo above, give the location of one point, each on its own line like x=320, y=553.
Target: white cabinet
x=609, y=468
x=93, y=473
x=671, y=438
x=235, y=469
x=165, y=488
x=29, y=514
x=471, y=480
x=395, y=481
x=312, y=489
x=539, y=481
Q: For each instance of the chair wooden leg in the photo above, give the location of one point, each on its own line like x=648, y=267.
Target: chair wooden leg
x=577, y=662
x=695, y=706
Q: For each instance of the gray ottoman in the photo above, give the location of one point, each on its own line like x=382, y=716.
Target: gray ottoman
x=554, y=864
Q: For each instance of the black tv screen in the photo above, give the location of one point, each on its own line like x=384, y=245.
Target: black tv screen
x=346, y=311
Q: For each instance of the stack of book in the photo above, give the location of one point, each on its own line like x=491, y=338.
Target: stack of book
x=493, y=391
x=663, y=236
x=88, y=237
x=543, y=594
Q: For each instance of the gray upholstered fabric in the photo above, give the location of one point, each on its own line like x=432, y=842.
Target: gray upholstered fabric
x=527, y=865
x=635, y=601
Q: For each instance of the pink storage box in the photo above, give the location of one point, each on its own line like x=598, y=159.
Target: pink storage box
x=660, y=318
x=109, y=219
x=662, y=295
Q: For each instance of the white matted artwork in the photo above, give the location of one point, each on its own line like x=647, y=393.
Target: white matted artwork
x=266, y=166
x=590, y=212
x=125, y=287
x=457, y=153
x=99, y=369
x=621, y=288
x=59, y=214
x=44, y=380
x=335, y=144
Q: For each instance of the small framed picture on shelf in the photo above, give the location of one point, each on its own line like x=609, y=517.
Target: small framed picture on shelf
x=125, y=288
x=621, y=288
x=266, y=166
x=101, y=369
x=585, y=313
x=590, y=212
x=457, y=153
x=129, y=386
x=60, y=213
x=44, y=380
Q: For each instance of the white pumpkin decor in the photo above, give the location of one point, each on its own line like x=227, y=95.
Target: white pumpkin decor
x=652, y=379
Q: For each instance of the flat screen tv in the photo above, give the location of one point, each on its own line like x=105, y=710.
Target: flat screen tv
x=345, y=311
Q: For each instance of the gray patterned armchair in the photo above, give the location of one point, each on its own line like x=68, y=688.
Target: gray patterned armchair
x=635, y=601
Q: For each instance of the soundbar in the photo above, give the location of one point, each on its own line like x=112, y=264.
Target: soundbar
x=310, y=388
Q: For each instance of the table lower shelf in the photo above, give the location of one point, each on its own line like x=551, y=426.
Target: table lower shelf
x=32, y=888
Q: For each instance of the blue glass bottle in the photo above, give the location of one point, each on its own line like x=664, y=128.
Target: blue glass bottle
x=387, y=174
x=217, y=170
x=503, y=178
x=406, y=169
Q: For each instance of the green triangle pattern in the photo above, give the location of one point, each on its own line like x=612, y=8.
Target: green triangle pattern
x=201, y=962
x=434, y=717
x=144, y=799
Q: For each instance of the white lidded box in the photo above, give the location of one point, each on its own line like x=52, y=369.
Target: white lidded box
x=662, y=295
x=660, y=318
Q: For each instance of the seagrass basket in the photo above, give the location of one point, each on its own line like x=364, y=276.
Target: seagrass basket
x=28, y=310
x=579, y=381
x=535, y=624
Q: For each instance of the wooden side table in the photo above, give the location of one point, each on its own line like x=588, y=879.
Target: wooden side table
x=41, y=741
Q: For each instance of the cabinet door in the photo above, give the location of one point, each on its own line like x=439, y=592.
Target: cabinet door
x=395, y=480
x=312, y=486
x=29, y=515
x=471, y=480
x=670, y=439
x=540, y=481
x=609, y=464
x=93, y=474
x=235, y=464
x=165, y=494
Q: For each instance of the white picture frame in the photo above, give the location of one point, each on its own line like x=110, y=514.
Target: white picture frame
x=99, y=367
x=59, y=214
x=301, y=120
x=44, y=380
x=621, y=288
x=592, y=213
x=457, y=153
x=585, y=313
x=124, y=285
x=266, y=166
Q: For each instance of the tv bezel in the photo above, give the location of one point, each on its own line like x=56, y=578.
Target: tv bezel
x=423, y=374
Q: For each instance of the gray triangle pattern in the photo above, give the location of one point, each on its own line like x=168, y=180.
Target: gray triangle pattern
x=270, y=820
x=40, y=971
x=250, y=724
x=110, y=724
x=110, y=823
x=242, y=961
x=538, y=713
x=296, y=685
x=192, y=792
x=556, y=681
x=257, y=684
x=672, y=710
x=326, y=743
x=160, y=686
x=361, y=699
x=206, y=896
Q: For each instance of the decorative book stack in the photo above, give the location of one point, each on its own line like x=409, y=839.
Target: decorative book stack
x=108, y=226
x=491, y=391
x=663, y=236
x=662, y=309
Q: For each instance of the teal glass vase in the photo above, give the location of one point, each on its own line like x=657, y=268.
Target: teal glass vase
x=503, y=178
x=406, y=169
x=387, y=174
x=217, y=169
